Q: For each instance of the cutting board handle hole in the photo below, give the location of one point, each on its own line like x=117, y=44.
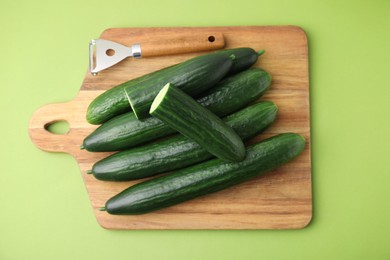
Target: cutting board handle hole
x=211, y=38
x=58, y=127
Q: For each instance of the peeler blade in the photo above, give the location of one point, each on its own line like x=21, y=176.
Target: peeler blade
x=104, y=54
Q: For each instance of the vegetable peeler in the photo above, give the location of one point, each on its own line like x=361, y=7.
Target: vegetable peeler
x=105, y=53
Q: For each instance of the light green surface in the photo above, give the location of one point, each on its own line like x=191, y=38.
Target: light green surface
x=45, y=212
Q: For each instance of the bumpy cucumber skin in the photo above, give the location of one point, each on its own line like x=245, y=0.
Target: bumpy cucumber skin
x=251, y=84
x=179, y=151
x=205, y=178
x=110, y=100
x=193, y=77
x=188, y=117
x=114, y=102
x=110, y=103
x=125, y=131
x=229, y=95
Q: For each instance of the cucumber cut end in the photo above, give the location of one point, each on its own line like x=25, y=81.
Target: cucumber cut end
x=131, y=104
x=160, y=96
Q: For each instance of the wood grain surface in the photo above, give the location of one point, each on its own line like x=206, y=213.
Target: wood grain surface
x=183, y=44
x=279, y=200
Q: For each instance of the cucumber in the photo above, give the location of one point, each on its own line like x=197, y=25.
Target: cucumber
x=113, y=102
x=244, y=58
x=110, y=103
x=179, y=151
x=230, y=95
x=183, y=113
x=206, y=177
x=193, y=77
x=193, y=80
x=235, y=92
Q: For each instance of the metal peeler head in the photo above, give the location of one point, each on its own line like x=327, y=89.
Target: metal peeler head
x=104, y=54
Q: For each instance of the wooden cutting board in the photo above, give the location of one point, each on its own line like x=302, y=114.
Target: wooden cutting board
x=279, y=200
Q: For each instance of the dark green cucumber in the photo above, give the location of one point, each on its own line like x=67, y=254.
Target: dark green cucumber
x=188, y=117
x=230, y=95
x=113, y=102
x=110, y=103
x=235, y=92
x=179, y=151
x=193, y=77
x=206, y=177
x=244, y=58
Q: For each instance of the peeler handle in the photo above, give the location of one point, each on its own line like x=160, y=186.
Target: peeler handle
x=183, y=44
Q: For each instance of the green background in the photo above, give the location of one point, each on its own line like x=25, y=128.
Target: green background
x=45, y=212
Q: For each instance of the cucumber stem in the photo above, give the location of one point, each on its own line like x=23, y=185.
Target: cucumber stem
x=88, y=172
x=82, y=147
x=260, y=52
x=102, y=209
